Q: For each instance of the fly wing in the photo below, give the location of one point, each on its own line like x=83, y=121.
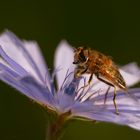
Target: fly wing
x=111, y=75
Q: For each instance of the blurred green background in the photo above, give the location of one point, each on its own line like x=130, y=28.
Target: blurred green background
x=108, y=26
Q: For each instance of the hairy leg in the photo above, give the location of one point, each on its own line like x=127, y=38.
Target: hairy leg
x=114, y=97
x=79, y=72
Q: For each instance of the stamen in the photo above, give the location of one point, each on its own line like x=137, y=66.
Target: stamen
x=98, y=92
x=49, y=84
x=54, y=73
x=81, y=93
x=70, y=90
x=85, y=93
x=93, y=94
x=89, y=93
x=70, y=86
x=50, y=81
x=66, y=77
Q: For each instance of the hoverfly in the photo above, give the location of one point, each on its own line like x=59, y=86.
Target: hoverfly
x=95, y=63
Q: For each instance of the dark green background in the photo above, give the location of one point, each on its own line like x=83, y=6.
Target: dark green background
x=108, y=26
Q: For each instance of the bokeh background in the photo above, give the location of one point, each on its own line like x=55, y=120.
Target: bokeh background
x=112, y=27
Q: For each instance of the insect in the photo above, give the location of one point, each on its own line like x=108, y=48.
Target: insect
x=95, y=63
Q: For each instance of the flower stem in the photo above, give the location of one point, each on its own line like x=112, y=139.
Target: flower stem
x=56, y=127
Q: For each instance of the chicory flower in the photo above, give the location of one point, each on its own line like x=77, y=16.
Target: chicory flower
x=22, y=66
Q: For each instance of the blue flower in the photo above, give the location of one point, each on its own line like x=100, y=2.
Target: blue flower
x=22, y=67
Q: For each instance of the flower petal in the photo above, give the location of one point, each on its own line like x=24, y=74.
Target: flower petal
x=22, y=66
x=5, y=69
x=35, y=53
x=132, y=68
x=129, y=119
x=130, y=79
x=41, y=93
x=129, y=98
x=129, y=109
x=19, y=53
x=12, y=63
x=101, y=113
x=135, y=125
x=131, y=73
x=11, y=48
x=63, y=61
x=28, y=86
x=96, y=112
x=14, y=82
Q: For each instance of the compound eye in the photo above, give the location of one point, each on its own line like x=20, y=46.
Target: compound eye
x=82, y=56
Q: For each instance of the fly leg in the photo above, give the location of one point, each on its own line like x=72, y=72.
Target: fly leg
x=83, y=87
x=114, y=97
x=114, y=101
x=89, y=81
x=79, y=72
x=90, y=78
